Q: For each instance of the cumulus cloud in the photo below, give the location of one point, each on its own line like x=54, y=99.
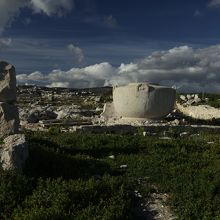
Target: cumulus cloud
x=187, y=68
x=35, y=77
x=77, y=53
x=9, y=9
x=214, y=3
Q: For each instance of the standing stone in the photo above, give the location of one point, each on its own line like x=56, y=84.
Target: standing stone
x=14, y=152
x=7, y=82
x=9, y=119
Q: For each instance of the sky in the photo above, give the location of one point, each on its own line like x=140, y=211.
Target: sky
x=91, y=43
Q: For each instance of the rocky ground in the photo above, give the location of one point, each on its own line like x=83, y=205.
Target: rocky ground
x=79, y=110
x=42, y=108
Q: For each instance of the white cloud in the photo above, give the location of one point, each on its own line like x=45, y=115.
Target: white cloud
x=187, y=68
x=52, y=7
x=59, y=84
x=9, y=9
x=5, y=42
x=77, y=53
x=33, y=77
x=214, y=3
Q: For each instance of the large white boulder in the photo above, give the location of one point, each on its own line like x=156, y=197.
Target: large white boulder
x=7, y=82
x=143, y=100
x=9, y=119
x=14, y=152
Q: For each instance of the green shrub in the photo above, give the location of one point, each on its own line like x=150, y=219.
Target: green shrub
x=105, y=198
x=13, y=190
x=70, y=176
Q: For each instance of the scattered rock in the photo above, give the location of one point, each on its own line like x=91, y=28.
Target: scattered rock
x=183, y=134
x=183, y=98
x=165, y=138
x=204, y=112
x=112, y=157
x=40, y=114
x=190, y=99
x=14, y=152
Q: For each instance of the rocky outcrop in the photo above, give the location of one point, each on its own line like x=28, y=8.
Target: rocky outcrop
x=7, y=82
x=9, y=119
x=14, y=152
x=141, y=100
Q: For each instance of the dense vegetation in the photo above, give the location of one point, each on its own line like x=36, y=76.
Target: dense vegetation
x=70, y=176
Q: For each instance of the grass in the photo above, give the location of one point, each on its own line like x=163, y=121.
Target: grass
x=70, y=176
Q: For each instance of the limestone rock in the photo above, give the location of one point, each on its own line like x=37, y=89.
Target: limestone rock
x=183, y=98
x=9, y=119
x=37, y=115
x=7, y=82
x=143, y=100
x=14, y=152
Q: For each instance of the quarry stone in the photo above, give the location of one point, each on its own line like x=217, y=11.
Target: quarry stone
x=143, y=100
x=7, y=82
x=14, y=152
x=9, y=119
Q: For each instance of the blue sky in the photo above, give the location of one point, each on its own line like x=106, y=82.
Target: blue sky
x=41, y=37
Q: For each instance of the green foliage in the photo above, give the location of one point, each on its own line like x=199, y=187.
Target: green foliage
x=54, y=130
x=13, y=190
x=70, y=176
x=60, y=199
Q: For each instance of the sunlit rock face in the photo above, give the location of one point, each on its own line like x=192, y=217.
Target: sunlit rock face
x=7, y=82
x=143, y=100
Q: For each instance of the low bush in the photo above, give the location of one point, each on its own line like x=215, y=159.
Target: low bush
x=70, y=176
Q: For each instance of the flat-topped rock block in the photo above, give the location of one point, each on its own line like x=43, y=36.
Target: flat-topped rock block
x=143, y=100
x=9, y=119
x=7, y=82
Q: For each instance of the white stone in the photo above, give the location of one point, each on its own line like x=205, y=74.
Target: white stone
x=205, y=112
x=196, y=96
x=188, y=96
x=183, y=98
x=108, y=110
x=14, y=152
x=9, y=119
x=197, y=100
x=7, y=82
x=143, y=100
x=164, y=138
x=124, y=166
